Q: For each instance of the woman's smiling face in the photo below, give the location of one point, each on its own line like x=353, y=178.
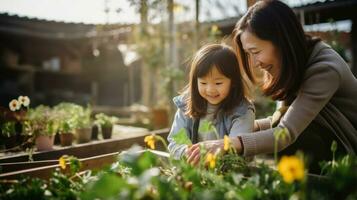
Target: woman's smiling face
x=262, y=53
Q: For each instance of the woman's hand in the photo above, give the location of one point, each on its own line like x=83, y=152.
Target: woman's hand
x=256, y=126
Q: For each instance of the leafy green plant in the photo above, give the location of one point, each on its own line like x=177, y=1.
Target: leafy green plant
x=84, y=117
x=41, y=121
x=72, y=116
x=8, y=128
x=104, y=120
x=61, y=185
x=181, y=137
x=140, y=174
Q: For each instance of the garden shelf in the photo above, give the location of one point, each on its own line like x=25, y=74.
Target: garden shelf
x=93, y=155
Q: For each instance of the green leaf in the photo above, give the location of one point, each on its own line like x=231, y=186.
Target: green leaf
x=182, y=138
x=334, y=146
x=206, y=127
x=107, y=186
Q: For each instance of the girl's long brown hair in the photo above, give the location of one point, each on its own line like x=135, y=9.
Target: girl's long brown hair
x=224, y=59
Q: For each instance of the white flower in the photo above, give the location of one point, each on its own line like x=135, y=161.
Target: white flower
x=14, y=105
x=24, y=100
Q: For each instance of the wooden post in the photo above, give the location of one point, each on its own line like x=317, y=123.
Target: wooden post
x=145, y=69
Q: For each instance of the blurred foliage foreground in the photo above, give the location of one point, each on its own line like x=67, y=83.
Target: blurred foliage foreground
x=150, y=174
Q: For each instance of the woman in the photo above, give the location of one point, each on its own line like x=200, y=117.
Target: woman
x=307, y=75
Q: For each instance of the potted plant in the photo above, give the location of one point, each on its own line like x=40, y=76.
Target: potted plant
x=42, y=125
x=66, y=119
x=95, y=130
x=8, y=134
x=11, y=119
x=83, y=124
x=105, y=124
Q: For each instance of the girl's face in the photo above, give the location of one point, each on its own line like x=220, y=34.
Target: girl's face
x=262, y=53
x=214, y=87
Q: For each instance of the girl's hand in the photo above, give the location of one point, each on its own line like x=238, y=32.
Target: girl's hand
x=194, y=153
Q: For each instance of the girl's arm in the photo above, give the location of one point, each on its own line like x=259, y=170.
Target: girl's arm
x=240, y=124
x=180, y=121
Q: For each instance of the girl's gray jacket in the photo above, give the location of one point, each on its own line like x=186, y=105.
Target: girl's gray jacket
x=241, y=120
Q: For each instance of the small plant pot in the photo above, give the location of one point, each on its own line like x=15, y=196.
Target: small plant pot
x=84, y=135
x=44, y=142
x=66, y=139
x=160, y=118
x=57, y=139
x=10, y=142
x=107, y=132
x=95, y=131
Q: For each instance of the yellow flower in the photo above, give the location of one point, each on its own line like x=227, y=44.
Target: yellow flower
x=211, y=160
x=178, y=8
x=14, y=105
x=214, y=28
x=62, y=162
x=291, y=168
x=24, y=100
x=150, y=141
x=226, y=142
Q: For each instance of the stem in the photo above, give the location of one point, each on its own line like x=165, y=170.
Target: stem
x=215, y=132
x=78, y=175
x=276, y=151
x=232, y=148
x=162, y=141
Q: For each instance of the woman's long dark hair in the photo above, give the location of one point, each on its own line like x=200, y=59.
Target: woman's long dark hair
x=224, y=59
x=274, y=21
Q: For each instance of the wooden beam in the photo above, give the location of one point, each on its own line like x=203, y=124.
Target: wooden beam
x=92, y=149
x=95, y=162
x=45, y=172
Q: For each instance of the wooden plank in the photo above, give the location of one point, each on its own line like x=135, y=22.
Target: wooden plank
x=19, y=162
x=95, y=162
x=85, y=150
x=10, y=167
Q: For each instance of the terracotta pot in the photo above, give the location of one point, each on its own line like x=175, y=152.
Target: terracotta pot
x=84, y=135
x=44, y=142
x=95, y=131
x=66, y=139
x=160, y=118
x=107, y=132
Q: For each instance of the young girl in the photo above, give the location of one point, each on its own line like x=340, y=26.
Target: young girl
x=216, y=94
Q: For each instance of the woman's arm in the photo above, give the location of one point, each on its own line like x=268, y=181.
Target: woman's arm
x=319, y=86
x=271, y=121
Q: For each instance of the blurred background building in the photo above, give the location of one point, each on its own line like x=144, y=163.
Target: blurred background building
x=133, y=51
